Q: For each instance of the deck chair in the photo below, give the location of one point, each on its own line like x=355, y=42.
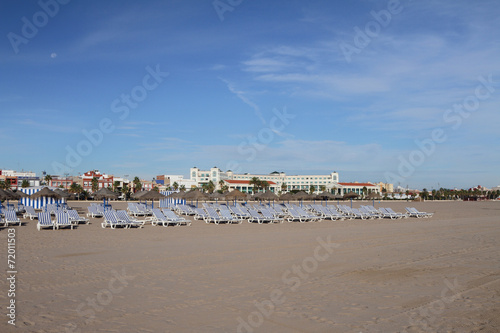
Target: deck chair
x=214, y=217
x=93, y=212
x=111, y=220
x=11, y=218
x=62, y=220
x=412, y=211
x=75, y=218
x=268, y=214
x=226, y=214
x=200, y=214
x=29, y=213
x=169, y=214
x=399, y=215
x=45, y=221
x=159, y=217
x=123, y=216
x=256, y=217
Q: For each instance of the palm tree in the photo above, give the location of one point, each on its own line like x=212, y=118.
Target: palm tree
x=322, y=188
x=95, y=184
x=221, y=183
x=425, y=194
x=264, y=184
x=175, y=185
x=137, y=184
x=210, y=187
x=116, y=185
x=312, y=189
x=125, y=191
x=284, y=187
x=48, y=178
x=76, y=188
x=25, y=183
x=364, y=190
x=182, y=187
x=255, y=181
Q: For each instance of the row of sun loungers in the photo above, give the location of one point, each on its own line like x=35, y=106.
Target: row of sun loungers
x=62, y=220
x=210, y=213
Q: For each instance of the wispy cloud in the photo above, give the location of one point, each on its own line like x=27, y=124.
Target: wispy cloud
x=242, y=96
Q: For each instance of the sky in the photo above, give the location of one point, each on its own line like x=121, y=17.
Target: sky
x=406, y=92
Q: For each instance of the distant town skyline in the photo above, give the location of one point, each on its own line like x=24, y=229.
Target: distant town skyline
x=403, y=92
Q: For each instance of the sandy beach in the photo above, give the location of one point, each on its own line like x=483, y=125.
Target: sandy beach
x=412, y=275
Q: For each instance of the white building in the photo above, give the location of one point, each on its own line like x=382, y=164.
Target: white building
x=280, y=179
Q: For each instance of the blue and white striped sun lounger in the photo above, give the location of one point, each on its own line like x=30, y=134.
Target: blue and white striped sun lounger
x=226, y=214
x=62, y=220
x=174, y=217
x=11, y=218
x=159, y=217
x=45, y=221
x=111, y=220
x=29, y=212
x=213, y=216
x=75, y=218
x=93, y=212
x=123, y=216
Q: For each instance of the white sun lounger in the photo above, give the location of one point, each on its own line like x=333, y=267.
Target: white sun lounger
x=62, y=220
x=29, y=212
x=111, y=220
x=11, y=218
x=45, y=221
x=123, y=216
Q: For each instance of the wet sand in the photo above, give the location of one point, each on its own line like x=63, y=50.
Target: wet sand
x=412, y=275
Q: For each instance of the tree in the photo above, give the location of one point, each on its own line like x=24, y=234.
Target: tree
x=156, y=188
x=48, y=178
x=312, y=189
x=182, y=187
x=25, y=183
x=322, y=188
x=76, y=188
x=425, y=194
x=116, y=186
x=175, y=186
x=126, y=191
x=210, y=187
x=255, y=181
x=137, y=184
x=95, y=184
x=364, y=191
x=264, y=184
x=284, y=187
x=221, y=183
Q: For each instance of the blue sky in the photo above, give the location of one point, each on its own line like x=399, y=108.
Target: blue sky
x=406, y=92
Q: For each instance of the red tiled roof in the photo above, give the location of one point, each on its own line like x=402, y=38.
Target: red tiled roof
x=358, y=184
x=246, y=182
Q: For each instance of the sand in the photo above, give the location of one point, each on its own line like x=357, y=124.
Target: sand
x=414, y=275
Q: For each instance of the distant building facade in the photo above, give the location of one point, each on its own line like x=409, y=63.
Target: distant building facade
x=281, y=181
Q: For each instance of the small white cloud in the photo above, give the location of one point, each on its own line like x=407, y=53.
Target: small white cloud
x=53, y=55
